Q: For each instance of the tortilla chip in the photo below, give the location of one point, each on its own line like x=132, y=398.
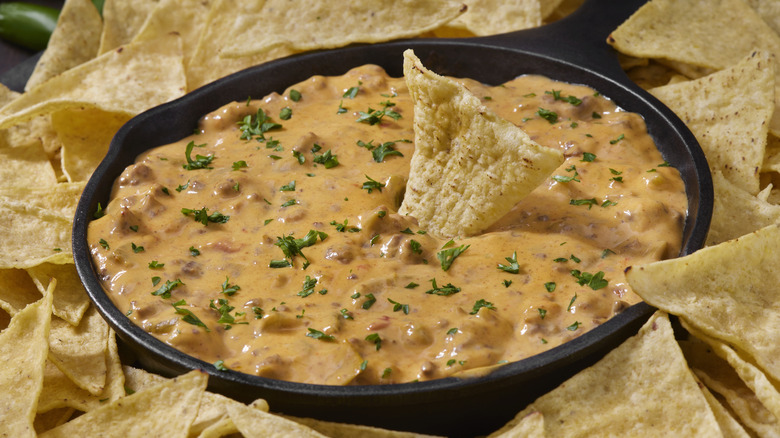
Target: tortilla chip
x=17, y=290
x=74, y=41
x=70, y=297
x=137, y=379
x=491, y=17
x=115, y=82
x=185, y=17
x=80, y=352
x=729, y=114
x=469, y=167
x=26, y=166
x=728, y=292
x=23, y=347
x=51, y=419
x=165, y=410
x=60, y=198
x=59, y=390
x=85, y=135
x=690, y=32
x=641, y=388
x=121, y=21
x=530, y=426
x=344, y=430
x=729, y=425
x=327, y=24
x=737, y=212
x=252, y=423
x=202, y=69
x=769, y=10
x=547, y=7
x=563, y=9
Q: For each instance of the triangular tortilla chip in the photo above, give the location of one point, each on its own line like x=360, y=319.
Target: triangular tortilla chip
x=327, y=24
x=17, y=290
x=641, y=388
x=122, y=19
x=74, y=41
x=737, y=212
x=165, y=410
x=491, y=17
x=70, y=297
x=114, y=82
x=255, y=423
x=23, y=346
x=728, y=292
x=729, y=113
x=80, y=352
x=470, y=167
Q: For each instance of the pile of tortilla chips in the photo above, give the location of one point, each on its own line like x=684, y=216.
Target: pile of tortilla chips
x=62, y=375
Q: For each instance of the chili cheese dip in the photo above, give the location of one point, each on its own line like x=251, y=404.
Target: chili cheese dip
x=269, y=241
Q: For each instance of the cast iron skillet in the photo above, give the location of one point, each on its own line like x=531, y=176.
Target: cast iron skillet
x=571, y=50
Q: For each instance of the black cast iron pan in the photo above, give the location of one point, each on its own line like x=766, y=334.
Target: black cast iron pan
x=571, y=50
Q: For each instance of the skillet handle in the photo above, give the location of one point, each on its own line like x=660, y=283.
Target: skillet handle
x=579, y=38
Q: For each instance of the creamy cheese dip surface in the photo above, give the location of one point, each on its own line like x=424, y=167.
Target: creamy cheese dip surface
x=269, y=242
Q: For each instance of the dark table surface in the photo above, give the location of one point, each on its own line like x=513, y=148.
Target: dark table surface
x=12, y=55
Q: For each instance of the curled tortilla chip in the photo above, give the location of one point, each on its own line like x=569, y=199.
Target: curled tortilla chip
x=21, y=378
x=728, y=292
x=74, y=41
x=729, y=113
x=139, y=415
x=327, y=24
x=117, y=82
x=647, y=374
x=470, y=167
x=736, y=212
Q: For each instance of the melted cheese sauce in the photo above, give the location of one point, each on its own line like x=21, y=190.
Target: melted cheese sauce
x=358, y=304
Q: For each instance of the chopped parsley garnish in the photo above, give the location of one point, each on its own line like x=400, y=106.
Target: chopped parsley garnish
x=407, y=230
x=99, y=212
x=616, y=178
x=665, y=164
x=411, y=285
x=194, y=251
x=256, y=126
x=588, y=157
x=285, y=113
x=103, y=243
x=416, y=247
x=444, y=291
x=594, y=281
x=155, y=281
x=550, y=286
x=341, y=109
x=399, y=307
x=308, y=287
x=386, y=372
x=239, y=164
x=189, y=317
x=550, y=116
x=372, y=117
x=452, y=331
x=513, y=267
x=575, y=325
x=351, y=92
x=595, y=115
x=374, y=337
x=289, y=187
x=370, y=300
x=565, y=179
x=229, y=289
x=606, y=252
x=289, y=202
x=608, y=203
x=542, y=312
x=589, y=202
x=204, y=217
x=574, y=258
x=295, y=95
x=165, y=290
x=571, y=303
x=383, y=150
x=327, y=159
x=155, y=265
x=134, y=228
x=292, y=247
x=447, y=256
x=258, y=312
x=224, y=310
x=480, y=303
x=342, y=227
x=136, y=248
x=345, y=314
x=220, y=365
x=372, y=185
x=619, y=137
x=183, y=186
x=316, y=334
x=200, y=161
x=557, y=96
x=299, y=157
x=507, y=283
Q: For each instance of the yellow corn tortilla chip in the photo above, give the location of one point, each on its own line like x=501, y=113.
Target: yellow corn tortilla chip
x=61, y=198
x=562, y=9
x=80, y=352
x=17, y=290
x=252, y=423
x=185, y=17
x=23, y=348
x=729, y=113
x=165, y=410
x=33, y=235
x=547, y=7
x=51, y=419
x=769, y=10
x=26, y=166
x=737, y=212
x=641, y=388
x=772, y=159
x=117, y=82
x=703, y=35
x=74, y=41
x=491, y=17
x=85, y=135
x=728, y=292
x=469, y=167
x=344, y=430
x=530, y=426
x=59, y=391
x=729, y=426
x=202, y=69
x=70, y=297
x=327, y=24
x=122, y=19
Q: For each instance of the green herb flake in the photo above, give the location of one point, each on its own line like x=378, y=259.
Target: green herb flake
x=575, y=325
x=289, y=187
x=351, y=92
x=372, y=185
x=285, y=113
x=374, y=337
x=165, y=290
x=99, y=212
x=370, y=300
x=619, y=137
x=320, y=336
x=189, y=317
x=204, y=217
x=588, y=157
x=606, y=252
x=550, y=286
x=155, y=281
x=594, y=281
x=154, y=264
x=327, y=159
x=589, y=202
x=220, y=365
x=411, y=285
x=444, y=291
x=550, y=116
x=513, y=267
x=194, y=251
x=104, y=244
x=447, y=256
x=571, y=303
x=399, y=307
x=542, y=312
x=200, y=161
x=229, y=289
x=136, y=248
x=295, y=95
x=507, y=283
x=480, y=304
